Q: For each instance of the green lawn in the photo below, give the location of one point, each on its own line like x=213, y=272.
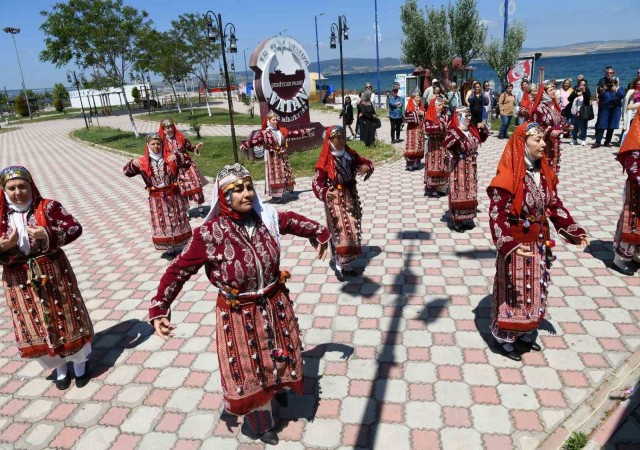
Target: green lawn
x=218, y=151
x=219, y=117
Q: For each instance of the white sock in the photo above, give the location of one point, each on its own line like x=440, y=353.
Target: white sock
x=621, y=262
x=61, y=372
x=78, y=368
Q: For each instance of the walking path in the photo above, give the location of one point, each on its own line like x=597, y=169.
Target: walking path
x=400, y=358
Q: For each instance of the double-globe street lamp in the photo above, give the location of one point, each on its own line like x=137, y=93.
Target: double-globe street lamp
x=74, y=80
x=215, y=22
x=315, y=18
x=13, y=31
x=342, y=32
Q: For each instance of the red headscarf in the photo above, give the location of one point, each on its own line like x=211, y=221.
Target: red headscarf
x=36, y=198
x=632, y=140
x=411, y=106
x=455, y=123
x=512, y=169
x=145, y=164
x=326, y=161
x=431, y=115
x=526, y=101
x=176, y=134
x=283, y=130
x=541, y=90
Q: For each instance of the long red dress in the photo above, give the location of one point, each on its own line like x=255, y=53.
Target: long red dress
x=463, y=180
x=521, y=284
x=168, y=208
x=414, y=147
x=190, y=179
x=436, y=170
x=344, y=213
x=626, y=242
x=277, y=168
x=258, y=340
x=48, y=312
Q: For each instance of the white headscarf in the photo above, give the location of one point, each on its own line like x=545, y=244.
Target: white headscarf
x=18, y=221
x=267, y=213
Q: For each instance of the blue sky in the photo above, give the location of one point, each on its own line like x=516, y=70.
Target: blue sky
x=549, y=23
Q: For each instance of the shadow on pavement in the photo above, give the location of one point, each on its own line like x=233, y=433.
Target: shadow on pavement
x=109, y=344
x=386, y=359
x=624, y=431
x=601, y=250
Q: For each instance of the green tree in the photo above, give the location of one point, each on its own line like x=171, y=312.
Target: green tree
x=427, y=41
x=59, y=91
x=199, y=51
x=135, y=93
x=95, y=33
x=502, y=56
x=468, y=32
x=58, y=104
x=21, y=106
x=166, y=59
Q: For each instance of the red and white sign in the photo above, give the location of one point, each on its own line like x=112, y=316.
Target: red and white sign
x=522, y=69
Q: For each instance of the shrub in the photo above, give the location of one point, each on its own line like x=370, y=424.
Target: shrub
x=58, y=104
x=21, y=106
x=135, y=93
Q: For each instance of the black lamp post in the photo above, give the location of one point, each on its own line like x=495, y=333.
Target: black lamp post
x=75, y=81
x=343, y=34
x=13, y=31
x=215, y=29
x=235, y=78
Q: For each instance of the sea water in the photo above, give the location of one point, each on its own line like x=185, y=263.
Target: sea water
x=591, y=66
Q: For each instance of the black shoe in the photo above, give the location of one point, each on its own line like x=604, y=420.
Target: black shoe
x=270, y=437
x=339, y=275
x=64, y=383
x=596, y=145
x=282, y=398
x=624, y=270
x=83, y=379
x=351, y=273
x=511, y=354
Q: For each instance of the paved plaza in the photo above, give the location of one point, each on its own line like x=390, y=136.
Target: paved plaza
x=401, y=358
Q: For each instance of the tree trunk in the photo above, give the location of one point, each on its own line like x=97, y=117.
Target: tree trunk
x=173, y=86
x=206, y=98
x=186, y=92
x=133, y=122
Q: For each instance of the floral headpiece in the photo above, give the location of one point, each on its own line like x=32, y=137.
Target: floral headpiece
x=153, y=136
x=12, y=172
x=166, y=123
x=232, y=175
x=336, y=130
x=533, y=129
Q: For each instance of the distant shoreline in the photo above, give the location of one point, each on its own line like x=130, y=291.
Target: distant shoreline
x=548, y=54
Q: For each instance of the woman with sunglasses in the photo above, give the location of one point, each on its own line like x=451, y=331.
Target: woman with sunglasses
x=461, y=143
x=257, y=334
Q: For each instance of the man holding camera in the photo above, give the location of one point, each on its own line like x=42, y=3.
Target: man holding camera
x=610, y=96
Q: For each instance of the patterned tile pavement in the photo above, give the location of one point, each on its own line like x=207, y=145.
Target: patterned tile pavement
x=398, y=359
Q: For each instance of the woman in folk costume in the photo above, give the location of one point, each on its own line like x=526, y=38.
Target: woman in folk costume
x=50, y=320
x=626, y=243
x=547, y=113
x=414, y=118
x=170, y=229
x=257, y=335
x=277, y=168
x=523, y=200
x=190, y=179
x=436, y=171
x=335, y=185
x=462, y=142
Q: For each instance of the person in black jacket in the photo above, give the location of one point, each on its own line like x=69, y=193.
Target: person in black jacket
x=477, y=101
x=347, y=112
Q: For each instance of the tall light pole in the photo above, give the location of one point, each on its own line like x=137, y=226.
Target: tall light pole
x=315, y=18
x=375, y=3
x=506, y=21
x=215, y=29
x=13, y=31
x=246, y=73
x=235, y=78
x=77, y=83
x=343, y=33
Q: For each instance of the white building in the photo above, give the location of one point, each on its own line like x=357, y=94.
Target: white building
x=109, y=96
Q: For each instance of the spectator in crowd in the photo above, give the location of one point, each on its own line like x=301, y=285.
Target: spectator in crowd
x=562, y=95
x=506, y=104
x=453, y=97
x=523, y=100
x=347, y=112
x=579, y=106
x=488, y=106
x=477, y=101
x=395, y=104
x=369, y=89
x=609, y=111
